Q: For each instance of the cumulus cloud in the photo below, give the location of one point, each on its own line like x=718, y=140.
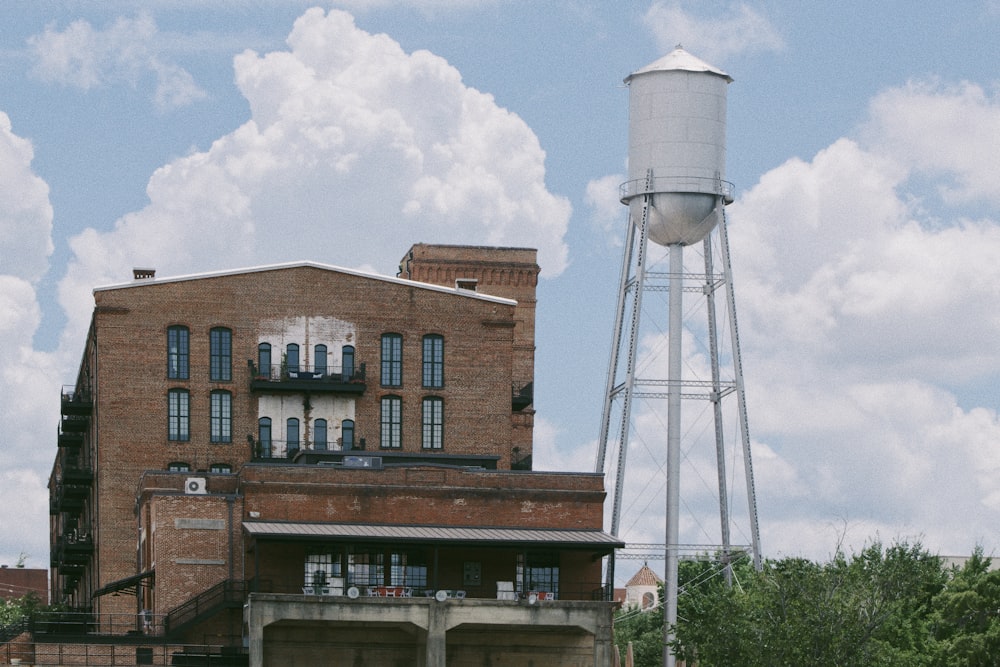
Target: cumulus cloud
x=866, y=319
x=865, y=315
x=948, y=132
x=603, y=199
x=28, y=379
x=84, y=57
x=353, y=144
x=739, y=29
x=25, y=212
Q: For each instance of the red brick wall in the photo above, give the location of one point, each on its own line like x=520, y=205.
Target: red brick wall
x=16, y=582
x=511, y=273
x=129, y=337
x=435, y=496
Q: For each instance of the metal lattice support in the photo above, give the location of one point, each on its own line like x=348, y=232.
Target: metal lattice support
x=624, y=385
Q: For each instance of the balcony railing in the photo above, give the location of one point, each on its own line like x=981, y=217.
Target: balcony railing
x=76, y=401
x=69, y=498
x=284, y=450
x=68, y=438
x=522, y=396
x=283, y=377
x=75, y=424
x=133, y=651
x=493, y=590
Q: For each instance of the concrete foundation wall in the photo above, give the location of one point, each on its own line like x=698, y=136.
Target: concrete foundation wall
x=428, y=633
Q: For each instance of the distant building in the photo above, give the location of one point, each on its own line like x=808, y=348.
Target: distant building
x=312, y=465
x=643, y=590
x=16, y=582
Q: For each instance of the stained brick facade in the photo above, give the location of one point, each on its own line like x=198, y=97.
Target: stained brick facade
x=314, y=396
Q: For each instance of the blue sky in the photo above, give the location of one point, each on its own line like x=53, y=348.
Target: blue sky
x=862, y=139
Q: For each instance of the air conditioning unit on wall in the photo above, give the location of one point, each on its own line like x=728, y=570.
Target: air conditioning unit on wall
x=196, y=486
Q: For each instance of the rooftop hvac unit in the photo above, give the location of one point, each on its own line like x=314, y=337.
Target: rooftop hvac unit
x=196, y=486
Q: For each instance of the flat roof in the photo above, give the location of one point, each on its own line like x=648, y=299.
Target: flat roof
x=148, y=282
x=550, y=537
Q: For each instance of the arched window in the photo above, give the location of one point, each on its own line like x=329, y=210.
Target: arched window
x=292, y=358
x=433, y=423
x=178, y=466
x=648, y=600
x=264, y=360
x=391, y=422
x=392, y=360
x=178, y=415
x=347, y=362
x=319, y=434
x=220, y=468
x=347, y=434
x=221, y=416
x=221, y=355
x=319, y=359
x=264, y=437
x=178, y=341
x=433, y=371
x=292, y=435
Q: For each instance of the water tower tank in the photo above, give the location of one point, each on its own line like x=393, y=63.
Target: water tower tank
x=677, y=132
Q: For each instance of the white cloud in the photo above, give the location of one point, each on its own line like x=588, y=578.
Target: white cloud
x=739, y=29
x=124, y=52
x=29, y=380
x=425, y=5
x=607, y=213
x=866, y=315
x=950, y=132
x=354, y=150
x=25, y=212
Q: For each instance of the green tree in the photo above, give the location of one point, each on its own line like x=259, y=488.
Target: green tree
x=966, y=617
x=871, y=609
x=644, y=629
x=17, y=609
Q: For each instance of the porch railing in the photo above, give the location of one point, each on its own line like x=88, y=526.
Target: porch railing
x=566, y=590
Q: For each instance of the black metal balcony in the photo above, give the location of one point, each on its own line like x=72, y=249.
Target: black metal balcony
x=522, y=397
x=75, y=424
x=300, y=378
x=76, y=402
x=73, y=549
x=77, y=477
x=70, y=440
x=283, y=450
x=69, y=498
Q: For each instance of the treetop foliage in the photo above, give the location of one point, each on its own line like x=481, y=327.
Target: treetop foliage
x=895, y=605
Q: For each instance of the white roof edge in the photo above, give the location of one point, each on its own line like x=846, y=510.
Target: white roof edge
x=147, y=282
x=679, y=59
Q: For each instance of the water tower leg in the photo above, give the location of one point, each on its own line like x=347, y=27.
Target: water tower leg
x=674, y=370
x=740, y=395
x=720, y=448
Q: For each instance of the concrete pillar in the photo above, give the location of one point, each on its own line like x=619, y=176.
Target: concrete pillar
x=437, y=633
x=255, y=627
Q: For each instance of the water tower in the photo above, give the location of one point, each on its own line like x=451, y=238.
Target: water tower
x=676, y=195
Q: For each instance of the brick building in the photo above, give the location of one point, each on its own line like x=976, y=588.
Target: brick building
x=320, y=463
x=16, y=582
